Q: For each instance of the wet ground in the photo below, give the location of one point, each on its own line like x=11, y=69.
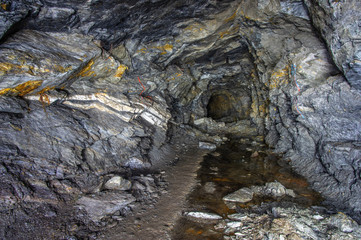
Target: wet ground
x=234, y=165
x=155, y=221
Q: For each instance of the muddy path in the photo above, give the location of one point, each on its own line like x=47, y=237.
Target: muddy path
x=156, y=221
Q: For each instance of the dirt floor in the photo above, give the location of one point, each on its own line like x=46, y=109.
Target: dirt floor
x=157, y=221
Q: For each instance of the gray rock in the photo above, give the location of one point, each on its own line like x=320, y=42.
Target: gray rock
x=203, y=215
x=12, y=14
x=44, y=61
x=136, y=163
x=344, y=223
x=234, y=224
x=209, y=187
x=239, y=217
x=101, y=205
x=339, y=25
x=242, y=195
x=207, y=146
x=293, y=222
x=118, y=183
x=276, y=189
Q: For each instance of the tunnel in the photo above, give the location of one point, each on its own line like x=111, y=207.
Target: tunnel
x=189, y=119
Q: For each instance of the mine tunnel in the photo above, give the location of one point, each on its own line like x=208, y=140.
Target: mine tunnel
x=189, y=119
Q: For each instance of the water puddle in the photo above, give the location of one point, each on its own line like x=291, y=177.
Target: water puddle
x=232, y=166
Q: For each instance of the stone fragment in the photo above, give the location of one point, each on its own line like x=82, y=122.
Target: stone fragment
x=255, y=154
x=220, y=226
x=273, y=189
x=136, y=163
x=234, y=224
x=207, y=146
x=147, y=181
x=343, y=222
x=118, y=183
x=200, y=121
x=101, y=205
x=239, y=217
x=276, y=189
x=210, y=187
x=203, y=215
x=243, y=195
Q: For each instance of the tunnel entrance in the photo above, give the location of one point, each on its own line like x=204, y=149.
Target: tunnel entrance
x=220, y=107
x=229, y=106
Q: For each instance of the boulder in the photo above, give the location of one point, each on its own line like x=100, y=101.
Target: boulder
x=118, y=183
x=103, y=204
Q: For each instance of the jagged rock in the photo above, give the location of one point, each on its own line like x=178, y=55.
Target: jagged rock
x=118, y=183
x=33, y=61
x=339, y=25
x=273, y=189
x=242, y=127
x=234, y=224
x=206, y=145
x=104, y=204
x=136, y=163
x=11, y=13
x=239, y=217
x=344, y=223
x=242, y=195
x=203, y=215
x=293, y=222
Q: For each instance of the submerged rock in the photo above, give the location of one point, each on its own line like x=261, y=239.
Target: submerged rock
x=273, y=189
x=209, y=187
x=242, y=195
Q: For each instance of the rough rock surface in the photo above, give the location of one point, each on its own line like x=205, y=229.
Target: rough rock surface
x=203, y=215
x=290, y=222
x=99, y=206
x=93, y=89
x=244, y=195
x=339, y=24
x=118, y=183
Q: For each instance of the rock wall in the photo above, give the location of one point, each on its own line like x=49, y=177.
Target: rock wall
x=339, y=23
x=67, y=127
x=313, y=112
x=92, y=89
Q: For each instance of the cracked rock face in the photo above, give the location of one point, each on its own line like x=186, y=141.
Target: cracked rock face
x=93, y=89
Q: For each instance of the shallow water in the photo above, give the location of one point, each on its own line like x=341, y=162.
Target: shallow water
x=231, y=167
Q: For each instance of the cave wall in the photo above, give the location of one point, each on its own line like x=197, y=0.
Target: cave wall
x=91, y=89
x=338, y=23
x=313, y=113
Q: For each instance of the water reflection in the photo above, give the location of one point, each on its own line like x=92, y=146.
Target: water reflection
x=235, y=165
